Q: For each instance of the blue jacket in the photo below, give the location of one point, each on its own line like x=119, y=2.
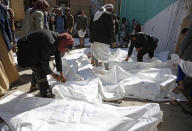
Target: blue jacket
x=5, y=26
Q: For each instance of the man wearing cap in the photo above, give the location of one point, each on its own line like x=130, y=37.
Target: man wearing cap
x=102, y=35
x=144, y=43
x=35, y=51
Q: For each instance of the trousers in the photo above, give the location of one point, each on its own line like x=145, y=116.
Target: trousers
x=142, y=52
x=39, y=78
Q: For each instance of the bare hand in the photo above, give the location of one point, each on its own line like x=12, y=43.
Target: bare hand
x=14, y=48
x=55, y=76
x=114, y=44
x=138, y=49
x=62, y=78
x=127, y=59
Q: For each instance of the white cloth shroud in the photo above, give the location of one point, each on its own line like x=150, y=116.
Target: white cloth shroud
x=78, y=105
x=153, y=80
x=23, y=112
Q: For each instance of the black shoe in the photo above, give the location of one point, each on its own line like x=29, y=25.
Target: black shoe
x=49, y=93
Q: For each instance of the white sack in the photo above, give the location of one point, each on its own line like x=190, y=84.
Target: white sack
x=24, y=113
x=4, y=127
x=86, y=90
x=152, y=81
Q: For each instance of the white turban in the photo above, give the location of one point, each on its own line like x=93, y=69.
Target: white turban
x=108, y=6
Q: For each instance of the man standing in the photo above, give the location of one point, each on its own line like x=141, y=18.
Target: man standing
x=35, y=51
x=81, y=27
x=133, y=25
x=8, y=70
x=143, y=43
x=69, y=20
x=185, y=64
x=102, y=35
x=124, y=31
x=34, y=17
x=59, y=21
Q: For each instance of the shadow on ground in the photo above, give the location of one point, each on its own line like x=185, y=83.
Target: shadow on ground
x=23, y=79
x=20, y=69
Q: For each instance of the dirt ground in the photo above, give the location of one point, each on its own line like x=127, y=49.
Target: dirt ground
x=174, y=117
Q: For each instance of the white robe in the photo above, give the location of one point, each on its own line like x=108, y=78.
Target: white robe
x=101, y=51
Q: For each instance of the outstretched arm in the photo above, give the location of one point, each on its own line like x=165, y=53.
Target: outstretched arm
x=130, y=51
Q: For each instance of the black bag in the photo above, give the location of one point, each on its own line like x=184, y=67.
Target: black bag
x=23, y=53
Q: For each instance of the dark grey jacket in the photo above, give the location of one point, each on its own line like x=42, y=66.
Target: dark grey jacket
x=37, y=48
x=102, y=30
x=143, y=40
x=81, y=22
x=185, y=51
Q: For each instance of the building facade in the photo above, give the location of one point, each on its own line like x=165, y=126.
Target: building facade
x=18, y=8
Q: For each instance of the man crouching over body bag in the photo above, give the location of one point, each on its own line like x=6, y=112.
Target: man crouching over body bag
x=35, y=50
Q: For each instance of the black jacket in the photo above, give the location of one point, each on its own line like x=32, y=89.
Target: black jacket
x=38, y=47
x=102, y=30
x=144, y=41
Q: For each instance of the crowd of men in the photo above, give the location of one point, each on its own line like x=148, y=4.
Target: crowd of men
x=50, y=33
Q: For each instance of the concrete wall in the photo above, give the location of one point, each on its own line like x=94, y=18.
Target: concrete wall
x=18, y=8
x=161, y=18
x=80, y=5
x=166, y=25
x=143, y=10
x=52, y=3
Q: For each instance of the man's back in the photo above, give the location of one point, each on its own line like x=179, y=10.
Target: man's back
x=145, y=40
x=37, y=46
x=103, y=29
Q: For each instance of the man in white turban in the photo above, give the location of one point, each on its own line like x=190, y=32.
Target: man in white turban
x=102, y=35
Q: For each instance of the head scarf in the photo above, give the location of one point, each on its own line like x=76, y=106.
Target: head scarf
x=108, y=6
x=40, y=5
x=65, y=40
x=102, y=10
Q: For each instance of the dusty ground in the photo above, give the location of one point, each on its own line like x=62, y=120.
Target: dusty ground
x=174, y=118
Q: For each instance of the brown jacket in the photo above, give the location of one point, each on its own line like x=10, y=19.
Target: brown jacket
x=70, y=23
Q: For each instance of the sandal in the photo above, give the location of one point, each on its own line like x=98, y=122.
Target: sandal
x=181, y=85
x=176, y=90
